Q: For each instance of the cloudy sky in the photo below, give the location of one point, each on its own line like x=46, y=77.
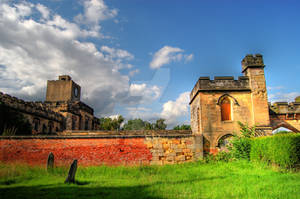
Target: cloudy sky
x=141, y=58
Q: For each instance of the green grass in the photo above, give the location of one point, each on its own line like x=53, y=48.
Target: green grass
x=192, y=180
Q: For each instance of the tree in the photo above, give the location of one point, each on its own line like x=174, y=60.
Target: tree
x=13, y=122
x=160, y=124
x=182, y=127
x=137, y=124
x=109, y=124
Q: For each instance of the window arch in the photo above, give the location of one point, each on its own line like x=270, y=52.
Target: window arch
x=226, y=109
x=36, y=122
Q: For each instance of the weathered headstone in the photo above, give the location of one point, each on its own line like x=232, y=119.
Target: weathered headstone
x=72, y=172
x=50, y=161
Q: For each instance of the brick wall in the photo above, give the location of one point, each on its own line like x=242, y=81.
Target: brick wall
x=98, y=150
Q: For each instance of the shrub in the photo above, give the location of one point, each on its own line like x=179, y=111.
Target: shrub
x=240, y=145
x=282, y=150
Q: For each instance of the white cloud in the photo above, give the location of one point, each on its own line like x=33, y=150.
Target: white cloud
x=147, y=92
x=168, y=54
x=143, y=113
x=283, y=97
x=35, y=50
x=43, y=10
x=133, y=72
x=173, y=110
x=94, y=12
x=117, y=53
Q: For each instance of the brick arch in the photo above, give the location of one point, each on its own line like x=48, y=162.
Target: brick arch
x=216, y=141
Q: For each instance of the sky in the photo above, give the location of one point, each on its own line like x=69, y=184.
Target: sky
x=141, y=58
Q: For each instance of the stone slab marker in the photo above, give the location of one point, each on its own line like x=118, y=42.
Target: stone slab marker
x=72, y=172
x=50, y=161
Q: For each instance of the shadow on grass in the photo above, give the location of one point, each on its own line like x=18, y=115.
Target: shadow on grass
x=92, y=190
x=73, y=191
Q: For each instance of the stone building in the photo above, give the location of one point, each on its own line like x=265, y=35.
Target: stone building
x=217, y=105
x=61, y=111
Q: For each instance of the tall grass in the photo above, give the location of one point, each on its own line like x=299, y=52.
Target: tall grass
x=239, y=179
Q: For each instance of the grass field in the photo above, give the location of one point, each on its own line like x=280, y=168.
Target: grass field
x=192, y=180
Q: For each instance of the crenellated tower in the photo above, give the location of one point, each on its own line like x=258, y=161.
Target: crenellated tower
x=253, y=67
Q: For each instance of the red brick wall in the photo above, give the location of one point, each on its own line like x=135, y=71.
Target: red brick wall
x=86, y=151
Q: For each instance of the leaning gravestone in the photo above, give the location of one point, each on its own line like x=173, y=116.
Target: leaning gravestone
x=50, y=161
x=72, y=172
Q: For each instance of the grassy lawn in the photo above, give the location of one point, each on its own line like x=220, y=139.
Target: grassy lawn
x=192, y=180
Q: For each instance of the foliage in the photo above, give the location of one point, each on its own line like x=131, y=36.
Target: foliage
x=238, y=179
x=160, y=124
x=240, y=145
x=13, y=122
x=182, y=127
x=220, y=156
x=282, y=150
x=109, y=124
x=137, y=124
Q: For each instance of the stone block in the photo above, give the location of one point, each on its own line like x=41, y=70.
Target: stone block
x=180, y=158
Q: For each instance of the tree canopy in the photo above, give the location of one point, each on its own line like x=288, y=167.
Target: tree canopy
x=109, y=124
x=182, y=127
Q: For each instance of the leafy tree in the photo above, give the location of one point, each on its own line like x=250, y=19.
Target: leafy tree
x=13, y=122
x=109, y=124
x=182, y=127
x=137, y=124
x=160, y=124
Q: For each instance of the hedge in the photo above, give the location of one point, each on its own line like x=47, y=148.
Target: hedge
x=282, y=150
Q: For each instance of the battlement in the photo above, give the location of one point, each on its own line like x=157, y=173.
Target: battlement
x=220, y=83
x=284, y=108
x=252, y=61
x=35, y=108
x=64, y=78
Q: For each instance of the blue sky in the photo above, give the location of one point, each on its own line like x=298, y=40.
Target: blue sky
x=142, y=58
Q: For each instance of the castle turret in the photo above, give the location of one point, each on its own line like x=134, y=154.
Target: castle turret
x=253, y=67
x=63, y=89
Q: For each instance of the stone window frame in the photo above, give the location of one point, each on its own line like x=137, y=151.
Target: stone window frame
x=233, y=102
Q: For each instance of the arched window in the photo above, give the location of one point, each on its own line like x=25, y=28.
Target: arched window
x=224, y=141
x=226, y=109
x=86, y=124
x=73, y=123
x=36, y=122
x=50, y=127
x=44, y=130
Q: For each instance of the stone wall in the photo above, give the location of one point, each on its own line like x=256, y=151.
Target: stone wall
x=98, y=150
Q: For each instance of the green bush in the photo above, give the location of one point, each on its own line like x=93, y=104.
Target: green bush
x=240, y=145
x=282, y=150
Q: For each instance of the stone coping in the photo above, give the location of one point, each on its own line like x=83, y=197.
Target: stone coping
x=93, y=136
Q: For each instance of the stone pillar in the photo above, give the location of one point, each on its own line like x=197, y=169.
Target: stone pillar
x=198, y=153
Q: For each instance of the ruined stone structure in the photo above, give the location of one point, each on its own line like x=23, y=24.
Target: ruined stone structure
x=217, y=106
x=62, y=109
